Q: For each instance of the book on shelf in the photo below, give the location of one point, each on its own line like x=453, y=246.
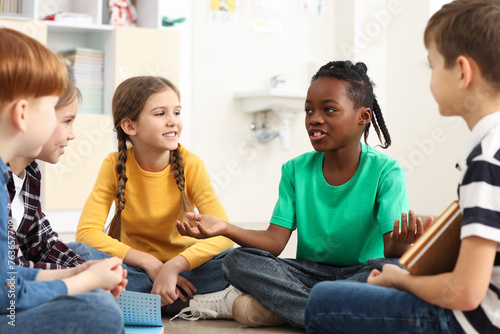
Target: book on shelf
x=71, y=18
x=436, y=250
x=11, y=6
x=141, y=312
x=87, y=69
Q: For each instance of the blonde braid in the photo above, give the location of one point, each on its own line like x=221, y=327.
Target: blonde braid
x=180, y=179
x=115, y=225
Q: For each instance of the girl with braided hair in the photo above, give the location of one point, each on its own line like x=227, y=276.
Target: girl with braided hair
x=153, y=183
x=342, y=199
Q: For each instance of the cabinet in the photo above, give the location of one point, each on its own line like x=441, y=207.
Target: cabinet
x=128, y=51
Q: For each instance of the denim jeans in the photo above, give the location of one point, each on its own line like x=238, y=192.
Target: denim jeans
x=283, y=285
x=351, y=307
x=91, y=312
x=206, y=278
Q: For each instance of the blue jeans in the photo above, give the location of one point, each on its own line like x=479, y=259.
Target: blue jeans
x=206, y=278
x=91, y=312
x=283, y=285
x=351, y=307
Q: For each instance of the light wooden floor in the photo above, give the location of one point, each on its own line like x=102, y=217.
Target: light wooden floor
x=180, y=326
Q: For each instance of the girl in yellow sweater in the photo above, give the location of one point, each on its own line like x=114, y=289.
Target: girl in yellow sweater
x=153, y=182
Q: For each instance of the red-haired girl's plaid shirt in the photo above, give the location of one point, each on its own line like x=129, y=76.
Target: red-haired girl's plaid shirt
x=39, y=244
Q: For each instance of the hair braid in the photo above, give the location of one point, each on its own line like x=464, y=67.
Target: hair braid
x=180, y=179
x=379, y=125
x=115, y=225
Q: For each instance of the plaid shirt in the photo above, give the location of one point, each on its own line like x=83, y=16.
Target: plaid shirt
x=39, y=244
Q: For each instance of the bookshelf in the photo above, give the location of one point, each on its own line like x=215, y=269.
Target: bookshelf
x=19, y=9
x=123, y=56
x=128, y=51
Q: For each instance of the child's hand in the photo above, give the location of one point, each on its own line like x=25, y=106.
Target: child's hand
x=82, y=267
x=108, y=274
x=121, y=286
x=207, y=226
x=411, y=228
x=389, y=276
x=167, y=285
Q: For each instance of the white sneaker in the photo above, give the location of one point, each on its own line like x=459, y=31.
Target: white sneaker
x=216, y=305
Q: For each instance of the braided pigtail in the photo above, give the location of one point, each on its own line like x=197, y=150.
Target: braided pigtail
x=115, y=225
x=360, y=91
x=180, y=179
x=129, y=100
x=379, y=125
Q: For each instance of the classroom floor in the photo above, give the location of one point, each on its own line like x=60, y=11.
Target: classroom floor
x=179, y=326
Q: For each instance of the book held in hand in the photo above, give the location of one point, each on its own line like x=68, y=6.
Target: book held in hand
x=436, y=250
x=141, y=312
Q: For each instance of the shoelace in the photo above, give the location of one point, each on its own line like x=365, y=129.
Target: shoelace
x=196, y=313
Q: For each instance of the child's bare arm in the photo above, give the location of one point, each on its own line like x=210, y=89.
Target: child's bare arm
x=50, y=275
x=462, y=289
x=105, y=274
x=147, y=262
x=273, y=240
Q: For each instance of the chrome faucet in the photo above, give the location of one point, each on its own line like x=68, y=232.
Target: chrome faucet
x=276, y=80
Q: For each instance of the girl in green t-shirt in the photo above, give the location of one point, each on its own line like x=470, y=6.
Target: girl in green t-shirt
x=342, y=199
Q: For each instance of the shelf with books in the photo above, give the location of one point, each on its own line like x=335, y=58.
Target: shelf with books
x=70, y=38
x=17, y=9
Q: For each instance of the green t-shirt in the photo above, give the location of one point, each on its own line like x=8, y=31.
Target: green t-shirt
x=341, y=225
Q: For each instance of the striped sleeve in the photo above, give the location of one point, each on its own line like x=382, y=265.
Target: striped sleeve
x=480, y=195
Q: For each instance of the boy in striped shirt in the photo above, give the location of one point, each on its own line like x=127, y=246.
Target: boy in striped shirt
x=463, y=44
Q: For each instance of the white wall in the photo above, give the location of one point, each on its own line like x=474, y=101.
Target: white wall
x=388, y=36
x=385, y=34
x=245, y=173
x=426, y=144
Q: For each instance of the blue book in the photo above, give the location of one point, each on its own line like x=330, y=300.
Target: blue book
x=141, y=312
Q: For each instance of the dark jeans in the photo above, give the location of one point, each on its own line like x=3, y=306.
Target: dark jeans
x=283, y=285
x=206, y=278
x=351, y=307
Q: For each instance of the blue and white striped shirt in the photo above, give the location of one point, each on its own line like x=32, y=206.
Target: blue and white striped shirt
x=479, y=193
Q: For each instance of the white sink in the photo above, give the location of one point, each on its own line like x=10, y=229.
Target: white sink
x=276, y=99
